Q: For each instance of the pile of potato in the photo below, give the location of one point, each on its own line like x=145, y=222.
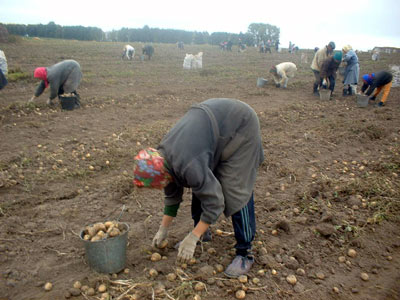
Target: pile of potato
x=100, y=231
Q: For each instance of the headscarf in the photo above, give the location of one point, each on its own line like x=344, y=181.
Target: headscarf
x=41, y=73
x=368, y=78
x=338, y=56
x=150, y=170
x=347, y=48
x=273, y=69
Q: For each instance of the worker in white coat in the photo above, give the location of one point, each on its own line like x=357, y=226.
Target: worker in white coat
x=128, y=53
x=282, y=72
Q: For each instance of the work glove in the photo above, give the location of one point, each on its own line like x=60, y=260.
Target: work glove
x=31, y=100
x=187, y=247
x=160, y=236
x=324, y=83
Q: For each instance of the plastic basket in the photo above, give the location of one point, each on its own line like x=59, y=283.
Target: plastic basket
x=362, y=100
x=109, y=255
x=324, y=94
x=69, y=102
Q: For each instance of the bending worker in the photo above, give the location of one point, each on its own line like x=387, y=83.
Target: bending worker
x=282, y=72
x=215, y=149
x=316, y=64
x=377, y=81
x=63, y=77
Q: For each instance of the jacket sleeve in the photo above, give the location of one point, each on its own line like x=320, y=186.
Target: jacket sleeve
x=371, y=89
x=54, y=87
x=40, y=88
x=324, y=68
x=207, y=189
x=282, y=73
x=173, y=194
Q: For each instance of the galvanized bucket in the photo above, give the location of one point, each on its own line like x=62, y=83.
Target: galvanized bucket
x=324, y=94
x=261, y=81
x=362, y=100
x=108, y=255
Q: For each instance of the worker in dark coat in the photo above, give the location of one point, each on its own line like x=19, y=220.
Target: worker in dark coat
x=328, y=71
x=379, y=81
x=215, y=149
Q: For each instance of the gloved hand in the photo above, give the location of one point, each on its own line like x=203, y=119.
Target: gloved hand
x=160, y=236
x=49, y=102
x=31, y=100
x=187, y=247
x=324, y=83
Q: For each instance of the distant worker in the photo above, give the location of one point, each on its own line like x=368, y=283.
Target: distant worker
x=148, y=50
x=316, y=64
x=351, y=72
x=377, y=81
x=129, y=52
x=3, y=70
x=180, y=45
x=282, y=72
x=63, y=77
x=328, y=71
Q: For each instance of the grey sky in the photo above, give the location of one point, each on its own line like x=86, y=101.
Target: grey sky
x=307, y=23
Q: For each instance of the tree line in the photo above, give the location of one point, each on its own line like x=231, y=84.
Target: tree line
x=256, y=33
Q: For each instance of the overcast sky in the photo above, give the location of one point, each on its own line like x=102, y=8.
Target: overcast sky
x=307, y=23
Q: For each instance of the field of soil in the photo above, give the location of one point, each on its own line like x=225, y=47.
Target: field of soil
x=329, y=184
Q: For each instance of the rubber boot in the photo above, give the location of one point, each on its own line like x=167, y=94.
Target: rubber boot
x=350, y=93
x=345, y=92
x=315, y=89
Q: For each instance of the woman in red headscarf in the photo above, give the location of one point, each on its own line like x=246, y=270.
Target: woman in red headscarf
x=63, y=77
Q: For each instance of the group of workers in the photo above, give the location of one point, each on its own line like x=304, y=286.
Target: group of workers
x=326, y=63
x=222, y=152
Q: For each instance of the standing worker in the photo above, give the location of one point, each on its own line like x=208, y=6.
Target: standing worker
x=380, y=81
x=282, y=72
x=316, y=64
x=215, y=149
x=63, y=77
x=351, y=72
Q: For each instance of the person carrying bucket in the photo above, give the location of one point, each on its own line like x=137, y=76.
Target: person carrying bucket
x=63, y=77
x=378, y=81
x=316, y=64
x=328, y=71
x=217, y=156
x=282, y=72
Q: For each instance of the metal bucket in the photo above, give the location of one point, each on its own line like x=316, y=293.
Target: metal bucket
x=261, y=82
x=362, y=100
x=324, y=94
x=108, y=255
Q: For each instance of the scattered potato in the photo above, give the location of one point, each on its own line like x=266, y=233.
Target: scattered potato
x=291, y=279
x=77, y=284
x=199, y=286
x=163, y=244
x=242, y=278
x=48, y=286
x=155, y=257
x=352, y=253
x=240, y=294
x=102, y=288
x=91, y=292
x=364, y=276
x=219, y=268
x=153, y=273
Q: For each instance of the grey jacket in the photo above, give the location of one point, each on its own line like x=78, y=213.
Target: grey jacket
x=215, y=149
x=65, y=75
